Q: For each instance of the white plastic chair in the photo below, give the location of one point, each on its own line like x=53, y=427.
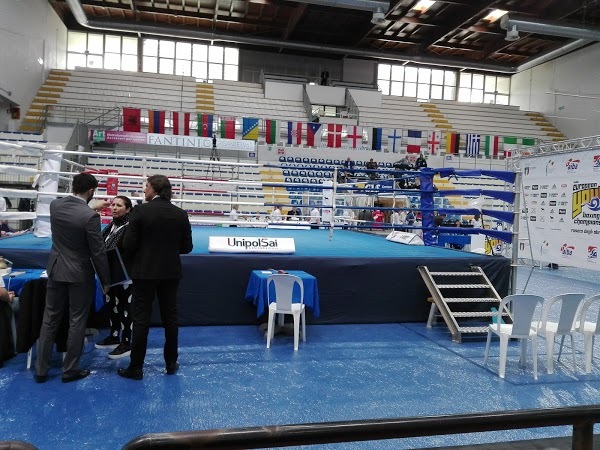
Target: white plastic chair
x=564, y=326
x=282, y=304
x=523, y=308
x=588, y=329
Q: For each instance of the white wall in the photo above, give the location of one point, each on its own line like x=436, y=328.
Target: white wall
x=29, y=29
x=281, y=90
x=251, y=63
x=576, y=114
x=326, y=95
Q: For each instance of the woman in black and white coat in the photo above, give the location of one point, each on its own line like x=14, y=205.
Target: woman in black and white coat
x=119, y=296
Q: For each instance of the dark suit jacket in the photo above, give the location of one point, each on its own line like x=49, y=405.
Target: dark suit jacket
x=158, y=232
x=76, y=242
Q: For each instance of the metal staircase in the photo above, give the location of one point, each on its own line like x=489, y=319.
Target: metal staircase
x=463, y=299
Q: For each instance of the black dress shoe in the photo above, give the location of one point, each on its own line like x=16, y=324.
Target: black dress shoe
x=40, y=378
x=132, y=374
x=172, y=368
x=74, y=375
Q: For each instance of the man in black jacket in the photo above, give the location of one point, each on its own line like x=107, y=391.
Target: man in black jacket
x=158, y=233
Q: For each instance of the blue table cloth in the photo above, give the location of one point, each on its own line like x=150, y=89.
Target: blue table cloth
x=15, y=280
x=457, y=239
x=256, y=292
x=18, y=277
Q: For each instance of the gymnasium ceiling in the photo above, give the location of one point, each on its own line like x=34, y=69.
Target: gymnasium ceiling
x=452, y=33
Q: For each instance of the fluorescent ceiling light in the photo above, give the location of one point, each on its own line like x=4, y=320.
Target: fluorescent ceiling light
x=495, y=15
x=423, y=6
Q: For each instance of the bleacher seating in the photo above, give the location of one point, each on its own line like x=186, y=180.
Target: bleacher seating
x=459, y=117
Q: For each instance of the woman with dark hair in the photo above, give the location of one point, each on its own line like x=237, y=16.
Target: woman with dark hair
x=118, y=297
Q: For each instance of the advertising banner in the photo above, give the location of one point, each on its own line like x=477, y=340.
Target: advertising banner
x=561, y=208
x=128, y=137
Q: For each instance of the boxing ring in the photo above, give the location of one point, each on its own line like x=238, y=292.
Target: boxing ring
x=362, y=278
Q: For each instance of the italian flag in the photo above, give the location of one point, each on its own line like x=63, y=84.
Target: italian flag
x=271, y=131
x=228, y=127
x=492, y=144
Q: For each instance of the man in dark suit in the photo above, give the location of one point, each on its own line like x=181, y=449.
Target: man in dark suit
x=158, y=233
x=76, y=245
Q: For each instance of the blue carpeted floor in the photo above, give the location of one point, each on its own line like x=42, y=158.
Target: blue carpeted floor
x=229, y=379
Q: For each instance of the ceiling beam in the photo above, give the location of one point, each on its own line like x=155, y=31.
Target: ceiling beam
x=295, y=17
x=463, y=18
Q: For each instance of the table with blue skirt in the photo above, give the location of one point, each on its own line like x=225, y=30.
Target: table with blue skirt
x=457, y=240
x=256, y=292
x=17, y=278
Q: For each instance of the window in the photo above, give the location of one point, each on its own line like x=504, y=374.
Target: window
x=201, y=61
x=101, y=51
x=419, y=82
x=477, y=88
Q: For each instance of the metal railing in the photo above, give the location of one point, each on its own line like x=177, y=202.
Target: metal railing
x=307, y=103
x=72, y=114
x=582, y=418
x=351, y=106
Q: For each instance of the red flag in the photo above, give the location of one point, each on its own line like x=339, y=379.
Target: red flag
x=228, y=127
x=181, y=123
x=334, y=135
x=131, y=119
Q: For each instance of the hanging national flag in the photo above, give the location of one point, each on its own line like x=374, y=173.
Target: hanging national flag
x=452, y=142
x=205, y=125
x=294, y=133
x=528, y=141
x=181, y=123
x=250, y=129
x=227, y=127
x=376, y=136
x=334, y=135
x=313, y=134
x=413, y=141
x=271, y=131
x=355, y=135
x=433, y=142
x=492, y=143
x=473, y=141
x=509, y=144
x=156, y=121
x=132, y=119
x=394, y=140
x=512, y=142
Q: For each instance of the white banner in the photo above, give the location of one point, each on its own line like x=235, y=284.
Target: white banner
x=561, y=208
x=327, y=210
x=48, y=182
x=230, y=244
x=200, y=142
x=403, y=237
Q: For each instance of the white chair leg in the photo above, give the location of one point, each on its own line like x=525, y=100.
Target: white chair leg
x=304, y=325
x=589, y=350
x=523, y=356
x=296, y=331
x=270, y=327
x=280, y=319
x=562, y=341
x=550, y=352
x=573, y=349
x=29, y=357
x=534, y=351
x=503, y=351
x=487, y=347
